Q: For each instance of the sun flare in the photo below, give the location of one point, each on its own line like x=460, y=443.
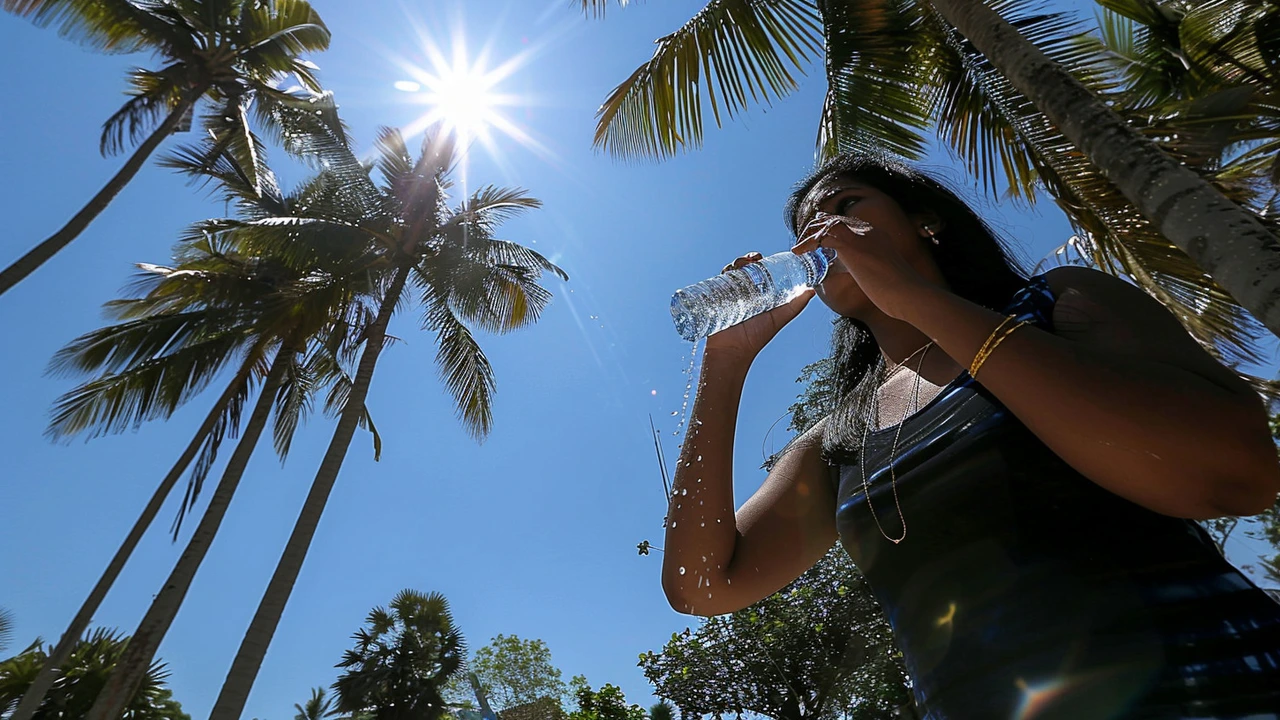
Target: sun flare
x=462, y=95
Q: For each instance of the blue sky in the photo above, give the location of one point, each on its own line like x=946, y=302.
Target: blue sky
x=532, y=533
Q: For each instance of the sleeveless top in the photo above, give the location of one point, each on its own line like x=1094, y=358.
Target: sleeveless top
x=1024, y=590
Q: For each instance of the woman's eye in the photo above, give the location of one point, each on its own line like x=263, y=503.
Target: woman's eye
x=845, y=205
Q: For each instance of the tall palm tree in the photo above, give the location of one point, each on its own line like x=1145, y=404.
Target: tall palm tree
x=462, y=274
x=285, y=319
x=402, y=660
x=741, y=51
x=229, y=52
x=180, y=331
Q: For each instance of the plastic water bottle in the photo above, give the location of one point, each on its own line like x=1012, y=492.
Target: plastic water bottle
x=731, y=297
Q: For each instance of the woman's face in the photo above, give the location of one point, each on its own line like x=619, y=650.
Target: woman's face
x=853, y=198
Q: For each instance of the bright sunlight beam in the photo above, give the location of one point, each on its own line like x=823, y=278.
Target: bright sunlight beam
x=462, y=96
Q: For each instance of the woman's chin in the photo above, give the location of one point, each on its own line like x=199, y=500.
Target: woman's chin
x=850, y=305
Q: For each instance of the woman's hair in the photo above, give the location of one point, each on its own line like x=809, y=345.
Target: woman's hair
x=976, y=263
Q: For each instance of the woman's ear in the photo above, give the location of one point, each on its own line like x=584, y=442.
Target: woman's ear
x=928, y=224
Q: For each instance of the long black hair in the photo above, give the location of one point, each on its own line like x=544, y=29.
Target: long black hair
x=977, y=264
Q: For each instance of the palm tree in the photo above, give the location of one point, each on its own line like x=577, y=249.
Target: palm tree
x=402, y=660
x=87, y=668
x=891, y=69
x=462, y=274
x=185, y=325
x=285, y=319
x=317, y=707
x=230, y=52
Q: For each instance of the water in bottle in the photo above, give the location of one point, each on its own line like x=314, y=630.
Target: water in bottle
x=731, y=297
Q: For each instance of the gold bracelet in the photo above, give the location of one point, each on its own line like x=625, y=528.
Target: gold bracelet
x=986, y=352
x=973, y=366
x=1010, y=331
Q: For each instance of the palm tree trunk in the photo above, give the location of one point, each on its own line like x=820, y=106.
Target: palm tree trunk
x=38, y=255
x=244, y=669
x=132, y=668
x=49, y=672
x=1226, y=241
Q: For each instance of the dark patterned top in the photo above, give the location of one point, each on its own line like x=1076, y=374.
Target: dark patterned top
x=1023, y=590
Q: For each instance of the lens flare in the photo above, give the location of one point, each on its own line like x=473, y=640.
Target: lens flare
x=462, y=93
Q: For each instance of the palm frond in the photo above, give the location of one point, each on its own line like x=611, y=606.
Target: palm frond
x=985, y=120
x=114, y=347
x=233, y=159
x=393, y=159
x=293, y=402
x=596, y=8
x=155, y=93
x=274, y=34
x=492, y=206
x=464, y=369
x=735, y=52
x=876, y=65
x=6, y=628
x=112, y=26
x=254, y=369
x=151, y=389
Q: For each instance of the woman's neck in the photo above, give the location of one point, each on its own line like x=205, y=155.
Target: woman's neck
x=900, y=341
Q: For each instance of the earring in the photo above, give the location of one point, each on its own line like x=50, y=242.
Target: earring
x=932, y=234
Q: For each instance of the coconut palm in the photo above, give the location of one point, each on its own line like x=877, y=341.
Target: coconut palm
x=402, y=660
x=93, y=658
x=892, y=67
x=231, y=53
x=460, y=273
x=1201, y=79
x=284, y=321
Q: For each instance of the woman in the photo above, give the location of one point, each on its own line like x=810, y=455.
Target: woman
x=1047, y=443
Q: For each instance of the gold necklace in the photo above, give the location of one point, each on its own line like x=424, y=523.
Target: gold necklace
x=893, y=449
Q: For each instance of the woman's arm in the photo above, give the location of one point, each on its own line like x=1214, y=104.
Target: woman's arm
x=716, y=561
x=1121, y=393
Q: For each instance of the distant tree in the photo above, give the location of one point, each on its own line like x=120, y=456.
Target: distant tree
x=818, y=649
x=402, y=661
x=607, y=703
x=662, y=710
x=315, y=708
x=84, y=674
x=512, y=672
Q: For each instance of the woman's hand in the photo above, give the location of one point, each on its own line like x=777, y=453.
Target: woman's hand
x=870, y=256
x=746, y=339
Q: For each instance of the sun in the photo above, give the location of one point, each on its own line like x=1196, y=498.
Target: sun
x=463, y=95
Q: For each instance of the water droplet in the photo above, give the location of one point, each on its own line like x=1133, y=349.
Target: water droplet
x=682, y=570
x=704, y=558
x=684, y=491
x=699, y=479
x=673, y=524
x=675, y=413
x=699, y=458
x=704, y=524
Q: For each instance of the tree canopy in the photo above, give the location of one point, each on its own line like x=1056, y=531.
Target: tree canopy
x=84, y=674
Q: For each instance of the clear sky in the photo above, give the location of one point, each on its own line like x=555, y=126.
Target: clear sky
x=532, y=533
